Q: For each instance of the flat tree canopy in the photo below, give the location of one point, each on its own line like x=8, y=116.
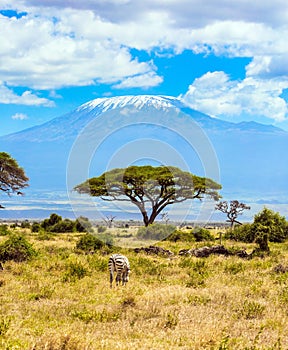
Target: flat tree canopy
x=12, y=177
x=150, y=188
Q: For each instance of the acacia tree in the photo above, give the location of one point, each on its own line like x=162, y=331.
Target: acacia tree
x=109, y=220
x=12, y=176
x=150, y=188
x=233, y=210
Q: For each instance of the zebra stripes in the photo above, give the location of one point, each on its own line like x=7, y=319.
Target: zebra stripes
x=119, y=264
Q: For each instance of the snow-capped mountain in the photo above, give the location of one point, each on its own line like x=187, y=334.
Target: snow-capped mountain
x=69, y=125
x=143, y=101
x=118, y=131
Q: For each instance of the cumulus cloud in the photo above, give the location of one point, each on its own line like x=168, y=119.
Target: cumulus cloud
x=74, y=43
x=7, y=96
x=216, y=94
x=19, y=116
x=184, y=12
x=72, y=49
x=145, y=80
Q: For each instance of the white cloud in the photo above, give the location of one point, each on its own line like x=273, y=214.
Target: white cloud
x=7, y=96
x=74, y=43
x=19, y=116
x=145, y=80
x=77, y=49
x=216, y=94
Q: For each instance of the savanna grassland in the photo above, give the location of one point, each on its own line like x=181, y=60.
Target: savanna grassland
x=61, y=299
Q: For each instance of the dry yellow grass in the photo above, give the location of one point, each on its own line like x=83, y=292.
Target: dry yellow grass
x=62, y=300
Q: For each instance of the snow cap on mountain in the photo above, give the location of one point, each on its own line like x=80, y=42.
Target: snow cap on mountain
x=108, y=103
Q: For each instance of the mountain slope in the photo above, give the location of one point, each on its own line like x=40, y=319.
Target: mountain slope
x=247, y=157
x=69, y=125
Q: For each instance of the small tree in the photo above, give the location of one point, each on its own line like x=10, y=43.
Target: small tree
x=232, y=210
x=12, y=176
x=16, y=248
x=109, y=220
x=278, y=228
x=150, y=188
x=165, y=218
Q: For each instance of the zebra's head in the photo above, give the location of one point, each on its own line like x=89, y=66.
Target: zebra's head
x=126, y=276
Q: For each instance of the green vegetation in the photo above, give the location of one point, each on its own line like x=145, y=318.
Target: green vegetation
x=12, y=176
x=89, y=243
x=55, y=292
x=4, y=230
x=155, y=231
x=56, y=224
x=198, y=234
x=232, y=210
x=267, y=226
x=157, y=186
x=16, y=248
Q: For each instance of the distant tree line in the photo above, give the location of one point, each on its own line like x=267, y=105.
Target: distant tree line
x=56, y=224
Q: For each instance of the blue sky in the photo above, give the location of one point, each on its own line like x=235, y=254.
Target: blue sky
x=228, y=59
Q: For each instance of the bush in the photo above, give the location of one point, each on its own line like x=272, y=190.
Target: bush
x=241, y=233
x=278, y=228
x=182, y=236
x=35, y=227
x=198, y=235
x=16, y=248
x=89, y=243
x=75, y=271
x=202, y=234
x=4, y=231
x=25, y=224
x=155, y=231
x=101, y=229
x=63, y=226
x=56, y=224
x=106, y=238
x=262, y=234
x=82, y=224
x=53, y=220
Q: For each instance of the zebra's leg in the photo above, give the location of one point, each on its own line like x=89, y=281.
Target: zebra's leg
x=125, y=277
x=111, y=278
x=118, y=279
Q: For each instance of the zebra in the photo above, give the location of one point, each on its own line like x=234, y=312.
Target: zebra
x=119, y=263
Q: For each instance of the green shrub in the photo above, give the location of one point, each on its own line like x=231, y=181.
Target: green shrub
x=4, y=231
x=249, y=233
x=251, y=309
x=74, y=271
x=202, y=234
x=182, y=236
x=196, y=235
x=25, y=224
x=16, y=248
x=155, y=231
x=82, y=224
x=101, y=229
x=106, y=238
x=89, y=243
x=35, y=227
x=262, y=234
x=198, y=274
x=278, y=228
x=53, y=220
x=63, y=226
x=45, y=236
x=241, y=233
